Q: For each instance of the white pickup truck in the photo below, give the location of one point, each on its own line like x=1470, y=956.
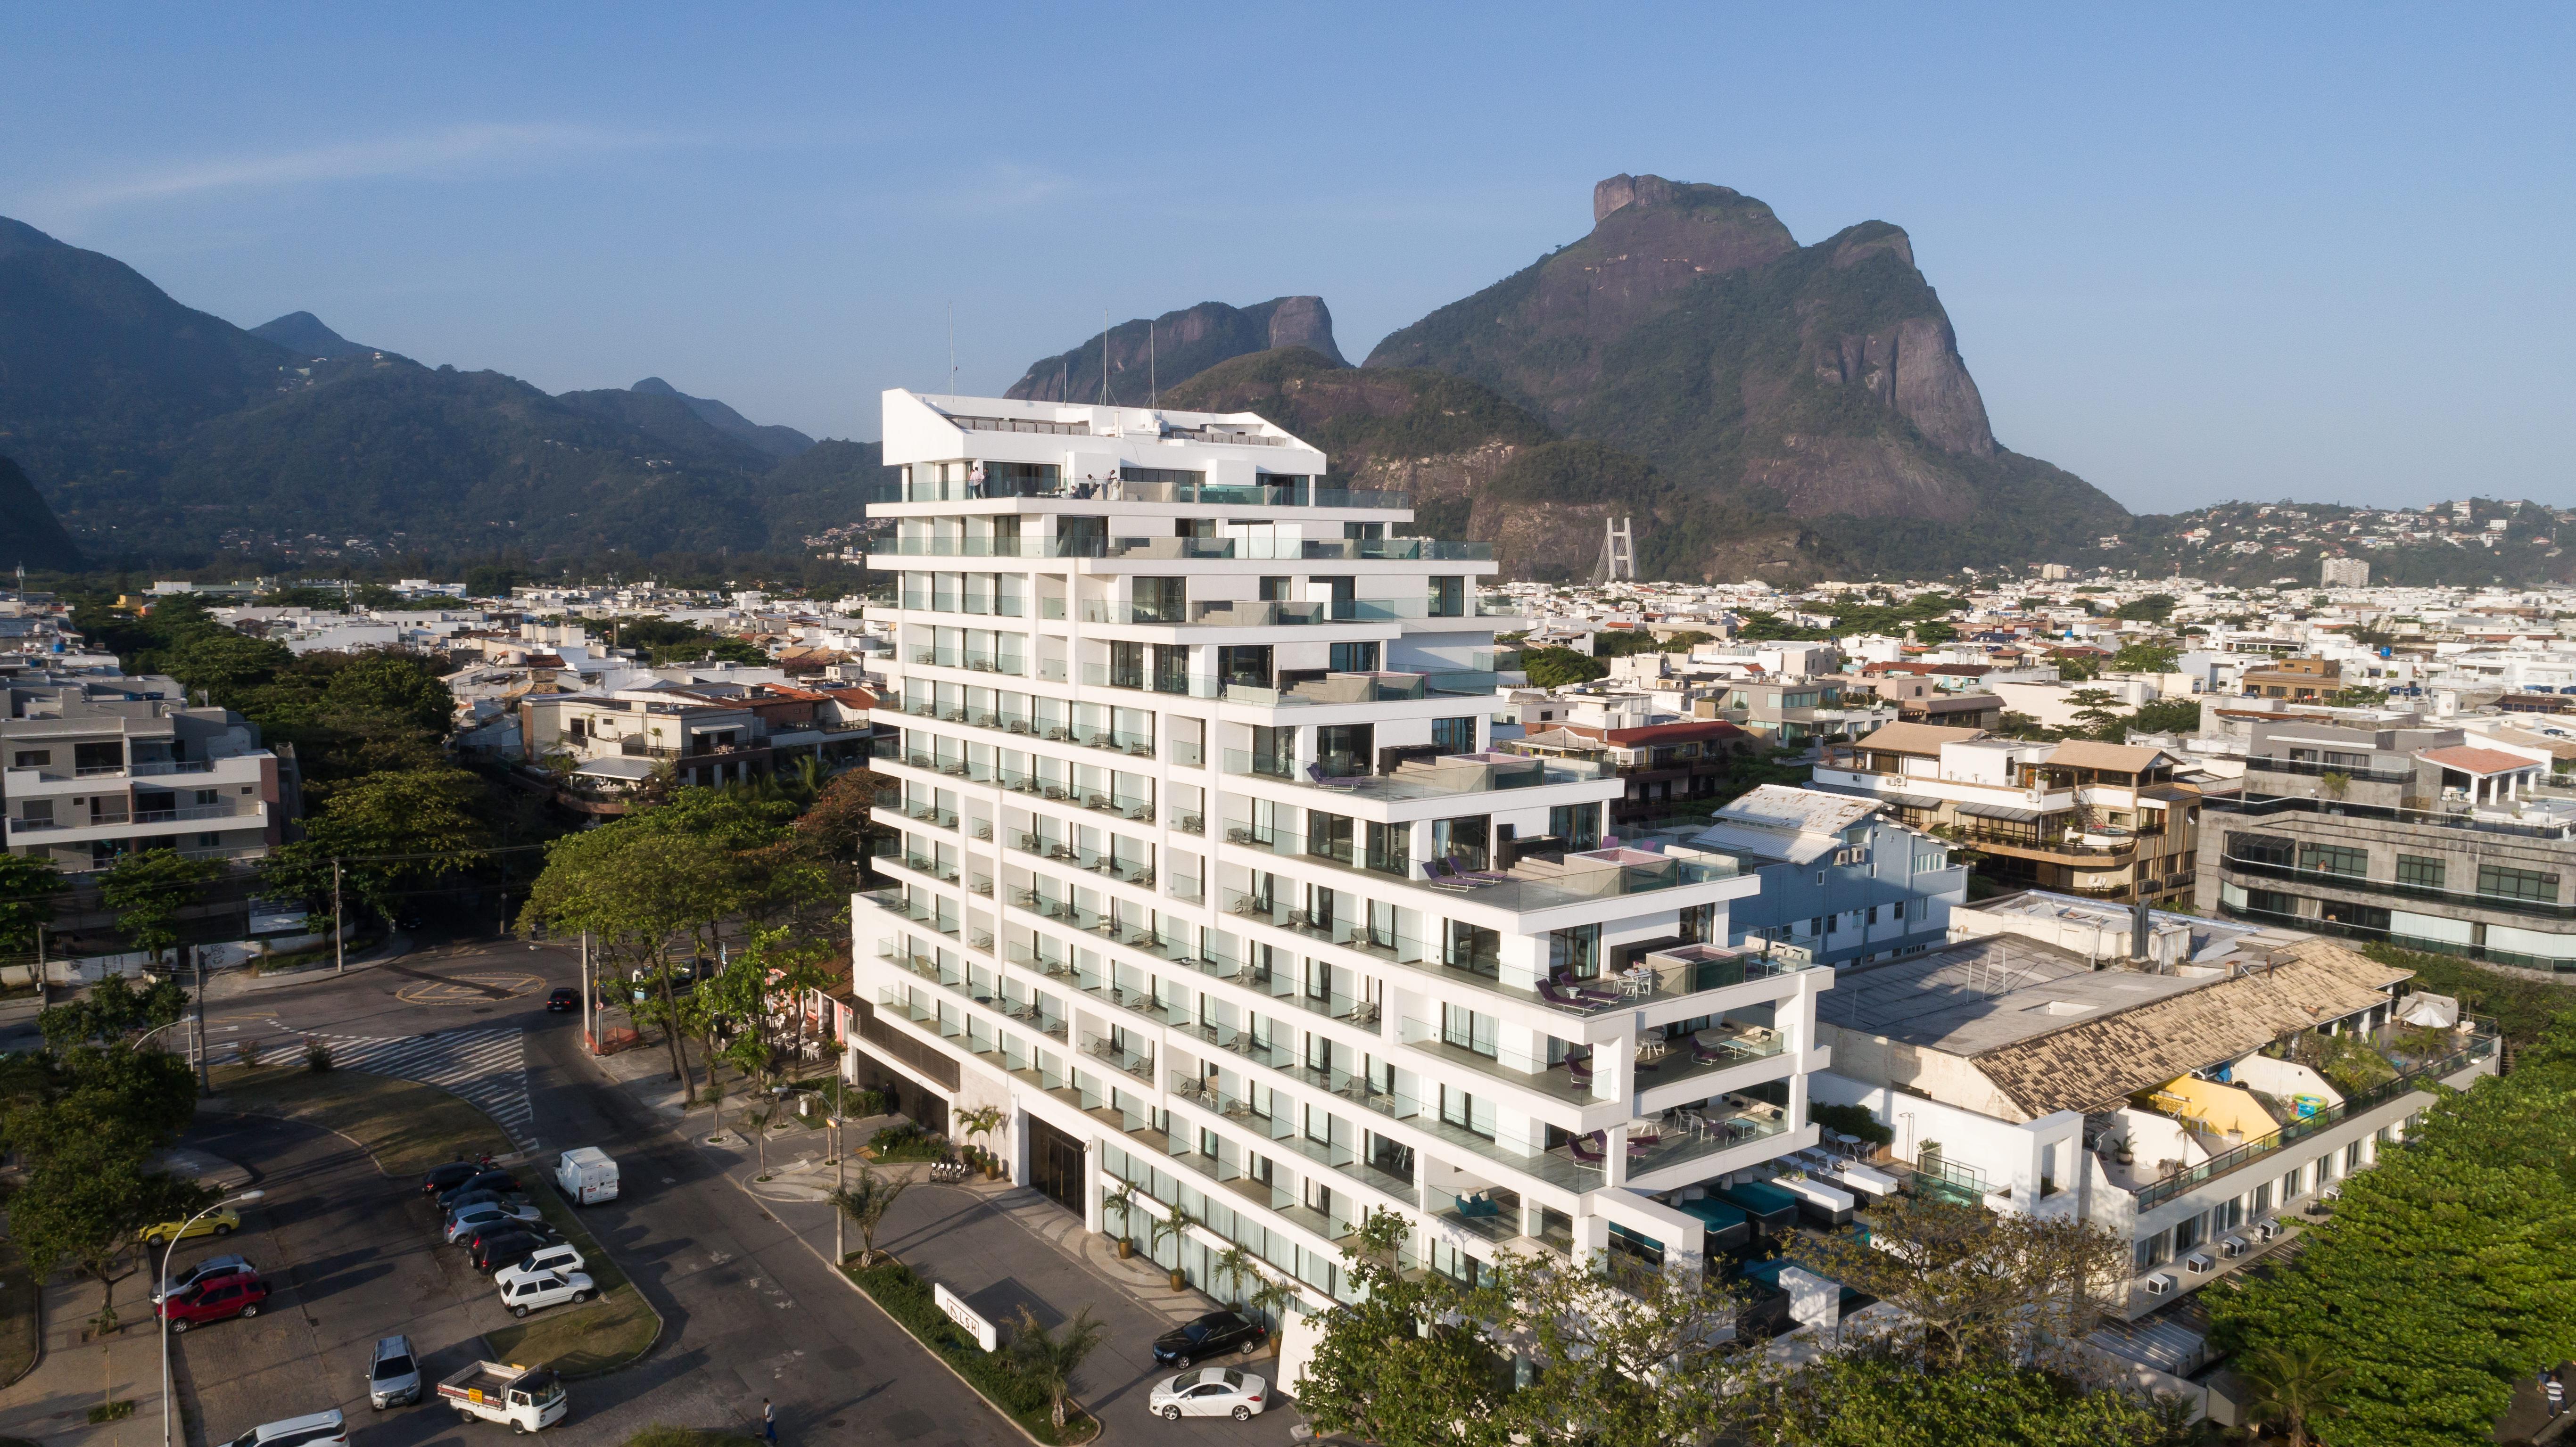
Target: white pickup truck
x=527, y=1398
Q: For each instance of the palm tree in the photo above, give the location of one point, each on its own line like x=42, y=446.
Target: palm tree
x=2291, y=1385
x=1235, y=1265
x=865, y=1201
x=1050, y=1359
x=1176, y=1226
x=1119, y=1203
x=982, y=1120
x=1269, y=1300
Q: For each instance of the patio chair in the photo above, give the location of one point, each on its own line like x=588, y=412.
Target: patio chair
x=1315, y=775
x=1591, y=1149
x=1578, y=1068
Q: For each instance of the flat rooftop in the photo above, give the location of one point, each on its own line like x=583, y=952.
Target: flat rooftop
x=1983, y=994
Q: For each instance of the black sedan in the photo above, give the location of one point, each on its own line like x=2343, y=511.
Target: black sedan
x=501, y=1248
x=563, y=1001
x=1214, y=1334
x=442, y=1179
x=501, y=1181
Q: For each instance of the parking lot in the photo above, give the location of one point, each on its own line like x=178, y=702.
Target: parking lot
x=349, y=1257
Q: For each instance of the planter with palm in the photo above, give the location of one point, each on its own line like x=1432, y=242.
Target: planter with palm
x=1269, y=1301
x=1234, y=1266
x=1048, y=1360
x=1175, y=1227
x=1120, y=1203
x=983, y=1120
x=865, y=1202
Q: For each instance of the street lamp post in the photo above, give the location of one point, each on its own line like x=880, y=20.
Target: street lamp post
x=161, y=1309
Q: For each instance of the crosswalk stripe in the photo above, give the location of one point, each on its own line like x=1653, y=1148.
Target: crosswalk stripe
x=486, y=1067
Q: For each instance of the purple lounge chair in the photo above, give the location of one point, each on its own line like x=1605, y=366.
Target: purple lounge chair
x=1591, y=1149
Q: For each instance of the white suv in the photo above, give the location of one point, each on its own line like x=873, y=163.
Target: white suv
x=322, y=1429
x=562, y=1256
x=549, y=1289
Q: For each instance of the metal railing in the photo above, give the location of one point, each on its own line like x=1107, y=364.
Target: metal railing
x=2157, y=1192
x=2264, y=805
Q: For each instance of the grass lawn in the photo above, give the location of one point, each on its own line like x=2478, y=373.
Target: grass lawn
x=659, y=1435
x=18, y=1289
x=597, y=1336
x=408, y=1128
x=582, y=1341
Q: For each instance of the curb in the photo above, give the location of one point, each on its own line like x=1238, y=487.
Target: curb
x=861, y=1293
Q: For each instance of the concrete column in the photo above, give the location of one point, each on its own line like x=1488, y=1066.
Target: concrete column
x=1020, y=1134
x=1091, y=1182
x=1614, y=1164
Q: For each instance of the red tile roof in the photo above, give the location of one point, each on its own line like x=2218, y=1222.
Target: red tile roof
x=2471, y=760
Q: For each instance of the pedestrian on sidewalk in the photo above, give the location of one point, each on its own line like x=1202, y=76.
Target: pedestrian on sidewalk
x=768, y=1421
x=2556, y=1392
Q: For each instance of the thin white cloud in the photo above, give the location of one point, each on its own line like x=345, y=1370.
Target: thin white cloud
x=456, y=148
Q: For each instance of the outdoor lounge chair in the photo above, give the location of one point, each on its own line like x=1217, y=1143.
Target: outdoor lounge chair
x=1478, y=1206
x=1578, y=1068
x=1591, y=1149
x=1315, y=775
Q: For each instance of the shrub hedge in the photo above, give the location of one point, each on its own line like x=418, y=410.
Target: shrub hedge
x=907, y=1298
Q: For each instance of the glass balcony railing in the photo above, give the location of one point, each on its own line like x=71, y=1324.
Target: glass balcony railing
x=1402, y=550
x=1502, y=1063
x=1180, y=685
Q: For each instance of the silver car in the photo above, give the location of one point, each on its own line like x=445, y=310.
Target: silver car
x=393, y=1375
x=206, y=1270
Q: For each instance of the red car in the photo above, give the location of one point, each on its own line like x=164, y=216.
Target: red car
x=216, y=1299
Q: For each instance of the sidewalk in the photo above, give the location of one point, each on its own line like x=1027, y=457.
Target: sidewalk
x=975, y=1237
x=51, y=1403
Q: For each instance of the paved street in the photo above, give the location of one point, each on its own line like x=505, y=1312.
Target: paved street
x=749, y=1308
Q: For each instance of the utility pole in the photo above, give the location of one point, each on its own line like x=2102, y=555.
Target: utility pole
x=205, y=1080
x=339, y=936
x=44, y=995
x=840, y=1183
x=589, y=1032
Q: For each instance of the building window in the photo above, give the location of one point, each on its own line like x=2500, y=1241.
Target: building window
x=1328, y=836
x=1245, y=665
x=1448, y=597
x=2271, y=901
x=1464, y=841
x=1278, y=590
x=2335, y=859
x=1161, y=600
x=1344, y=750
x=1390, y=849
x=2261, y=848
x=1574, y=952
x=1579, y=825
x=33, y=758
x=2418, y=870
x=1354, y=658
x=1274, y=751
x=2517, y=883
x=1473, y=948
x=1454, y=735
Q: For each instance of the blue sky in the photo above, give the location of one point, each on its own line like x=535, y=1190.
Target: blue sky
x=2305, y=251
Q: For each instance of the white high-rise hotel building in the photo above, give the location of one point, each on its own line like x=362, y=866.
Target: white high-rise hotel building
x=1209, y=883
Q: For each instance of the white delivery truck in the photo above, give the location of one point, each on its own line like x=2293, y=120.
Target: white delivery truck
x=586, y=1174
x=528, y=1399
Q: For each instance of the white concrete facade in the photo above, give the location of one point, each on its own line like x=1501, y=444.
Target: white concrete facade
x=1207, y=867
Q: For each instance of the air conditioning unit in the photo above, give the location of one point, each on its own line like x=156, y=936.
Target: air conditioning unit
x=2331, y=1193
x=2199, y=1263
x=2232, y=1247
x=2161, y=1284
x=2265, y=1231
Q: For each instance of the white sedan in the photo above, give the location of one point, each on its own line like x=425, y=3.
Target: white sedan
x=551, y=1289
x=473, y=1218
x=1208, y=1392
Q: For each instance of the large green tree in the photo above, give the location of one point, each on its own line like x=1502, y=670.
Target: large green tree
x=1407, y=1362
x=29, y=889
x=148, y=889
x=2443, y=1275
x=392, y=832
x=1867, y=1399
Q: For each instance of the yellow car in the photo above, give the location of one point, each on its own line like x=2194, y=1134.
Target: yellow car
x=214, y=1223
